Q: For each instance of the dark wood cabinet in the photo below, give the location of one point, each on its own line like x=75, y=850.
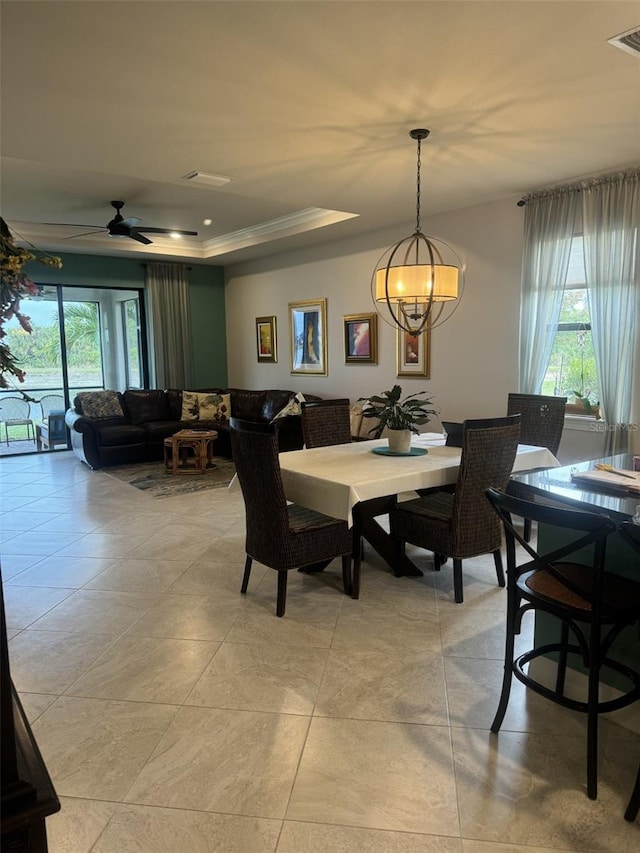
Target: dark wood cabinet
x=27, y=792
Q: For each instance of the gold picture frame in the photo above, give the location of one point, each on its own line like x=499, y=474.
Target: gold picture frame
x=308, y=337
x=360, y=338
x=266, y=339
x=413, y=353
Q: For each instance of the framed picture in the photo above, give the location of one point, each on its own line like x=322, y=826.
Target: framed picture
x=308, y=334
x=266, y=343
x=413, y=354
x=361, y=339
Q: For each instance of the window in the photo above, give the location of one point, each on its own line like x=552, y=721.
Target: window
x=132, y=347
x=572, y=367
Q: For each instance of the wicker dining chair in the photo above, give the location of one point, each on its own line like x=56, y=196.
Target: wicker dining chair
x=590, y=605
x=630, y=532
x=326, y=422
x=462, y=524
x=279, y=535
x=542, y=421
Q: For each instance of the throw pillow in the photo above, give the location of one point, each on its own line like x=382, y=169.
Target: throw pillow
x=293, y=407
x=355, y=416
x=214, y=407
x=190, y=406
x=100, y=404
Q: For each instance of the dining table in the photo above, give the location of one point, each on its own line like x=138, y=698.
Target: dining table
x=361, y=481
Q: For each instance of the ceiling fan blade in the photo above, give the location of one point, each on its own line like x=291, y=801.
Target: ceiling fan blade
x=168, y=231
x=85, y=234
x=140, y=238
x=130, y=222
x=72, y=225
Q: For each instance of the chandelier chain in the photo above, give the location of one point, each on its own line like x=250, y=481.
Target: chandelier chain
x=419, y=163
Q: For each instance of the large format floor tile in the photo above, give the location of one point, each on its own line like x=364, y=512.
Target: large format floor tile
x=139, y=828
x=175, y=714
x=378, y=775
x=95, y=749
x=236, y=762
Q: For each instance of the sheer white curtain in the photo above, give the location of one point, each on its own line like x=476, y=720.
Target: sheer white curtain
x=167, y=286
x=611, y=220
x=548, y=230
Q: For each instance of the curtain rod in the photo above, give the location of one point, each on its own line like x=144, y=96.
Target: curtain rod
x=145, y=265
x=577, y=185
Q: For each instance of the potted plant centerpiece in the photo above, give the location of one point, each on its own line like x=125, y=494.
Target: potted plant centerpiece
x=401, y=416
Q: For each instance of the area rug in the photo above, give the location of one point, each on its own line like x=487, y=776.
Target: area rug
x=151, y=477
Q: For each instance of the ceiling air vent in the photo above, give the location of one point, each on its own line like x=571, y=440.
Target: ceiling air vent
x=206, y=179
x=629, y=41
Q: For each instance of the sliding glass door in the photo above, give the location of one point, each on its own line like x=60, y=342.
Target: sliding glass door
x=83, y=339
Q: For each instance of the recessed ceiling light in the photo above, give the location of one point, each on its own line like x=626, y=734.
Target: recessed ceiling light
x=206, y=179
x=207, y=221
x=175, y=235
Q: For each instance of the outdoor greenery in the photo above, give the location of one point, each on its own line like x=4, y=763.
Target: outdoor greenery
x=40, y=348
x=572, y=366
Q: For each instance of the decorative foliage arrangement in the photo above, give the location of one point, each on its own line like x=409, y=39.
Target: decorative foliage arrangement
x=395, y=413
x=14, y=285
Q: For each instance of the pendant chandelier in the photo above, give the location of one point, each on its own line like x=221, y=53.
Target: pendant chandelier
x=412, y=285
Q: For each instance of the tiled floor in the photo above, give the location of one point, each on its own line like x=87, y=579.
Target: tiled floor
x=177, y=716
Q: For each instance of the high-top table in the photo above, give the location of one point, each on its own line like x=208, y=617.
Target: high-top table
x=351, y=482
x=562, y=488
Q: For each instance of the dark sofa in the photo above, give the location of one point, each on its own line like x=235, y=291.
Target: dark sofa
x=150, y=416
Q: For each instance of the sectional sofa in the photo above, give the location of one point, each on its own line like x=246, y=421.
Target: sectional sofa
x=112, y=428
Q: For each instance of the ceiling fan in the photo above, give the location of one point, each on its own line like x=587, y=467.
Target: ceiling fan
x=121, y=227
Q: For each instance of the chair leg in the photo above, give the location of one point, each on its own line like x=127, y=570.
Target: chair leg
x=497, y=559
x=247, y=572
x=509, y=645
x=527, y=530
x=438, y=561
x=399, y=548
x=347, y=581
x=355, y=586
x=562, y=660
x=634, y=803
x=282, y=593
x=592, y=729
x=457, y=581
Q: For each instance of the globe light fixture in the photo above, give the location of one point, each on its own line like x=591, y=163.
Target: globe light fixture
x=413, y=283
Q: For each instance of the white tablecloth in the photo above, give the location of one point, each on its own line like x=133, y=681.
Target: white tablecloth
x=333, y=479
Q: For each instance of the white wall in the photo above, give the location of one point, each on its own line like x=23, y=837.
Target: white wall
x=473, y=355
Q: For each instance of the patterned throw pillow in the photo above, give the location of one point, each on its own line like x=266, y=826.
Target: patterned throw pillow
x=100, y=404
x=215, y=407
x=293, y=407
x=190, y=406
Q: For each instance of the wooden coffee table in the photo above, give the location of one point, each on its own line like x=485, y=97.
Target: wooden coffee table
x=189, y=451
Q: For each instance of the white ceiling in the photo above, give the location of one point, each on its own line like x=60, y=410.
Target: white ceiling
x=304, y=105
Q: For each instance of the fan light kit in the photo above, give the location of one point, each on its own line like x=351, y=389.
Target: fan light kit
x=412, y=284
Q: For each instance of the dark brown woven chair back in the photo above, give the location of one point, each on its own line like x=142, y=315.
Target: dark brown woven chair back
x=489, y=448
x=542, y=419
x=255, y=455
x=326, y=422
x=590, y=605
x=280, y=535
x=630, y=532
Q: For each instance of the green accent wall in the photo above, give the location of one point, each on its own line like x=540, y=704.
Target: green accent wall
x=206, y=292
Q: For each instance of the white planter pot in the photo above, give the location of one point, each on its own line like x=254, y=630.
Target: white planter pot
x=399, y=440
